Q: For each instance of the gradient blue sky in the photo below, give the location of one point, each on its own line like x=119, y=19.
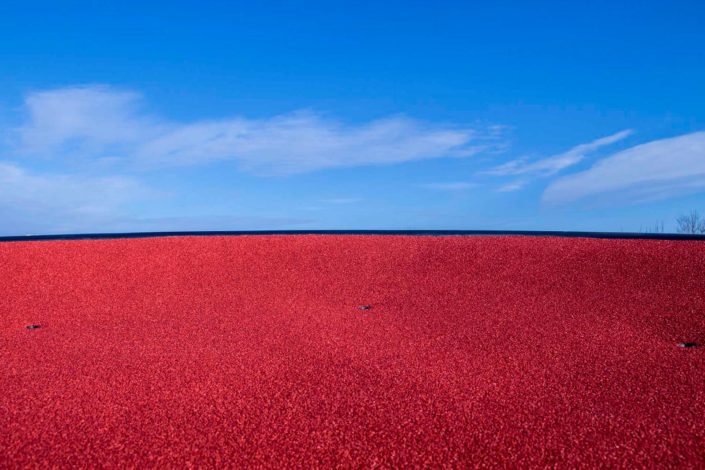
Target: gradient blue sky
x=134, y=116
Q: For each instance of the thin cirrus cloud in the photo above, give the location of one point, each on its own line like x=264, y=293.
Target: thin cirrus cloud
x=106, y=124
x=551, y=165
x=655, y=170
x=511, y=187
x=43, y=202
x=449, y=186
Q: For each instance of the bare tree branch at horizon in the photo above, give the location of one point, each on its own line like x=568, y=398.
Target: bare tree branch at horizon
x=691, y=223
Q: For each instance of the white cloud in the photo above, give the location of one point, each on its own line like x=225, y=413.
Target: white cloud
x=32, y=202
x=105, y=124
x=511, y=187
x=450, y=186
x=655, y=170
x=48, y=203
x=83, y=120
x=552, y=165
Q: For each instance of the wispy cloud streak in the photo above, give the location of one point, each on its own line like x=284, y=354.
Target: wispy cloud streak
x=102, y=123
x=551, y=165
x=449, y=186
x=656, y=170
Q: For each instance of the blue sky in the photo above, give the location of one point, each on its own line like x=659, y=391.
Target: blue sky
x=142, y=116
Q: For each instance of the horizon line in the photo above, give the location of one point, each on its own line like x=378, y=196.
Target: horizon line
x=418, y=232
